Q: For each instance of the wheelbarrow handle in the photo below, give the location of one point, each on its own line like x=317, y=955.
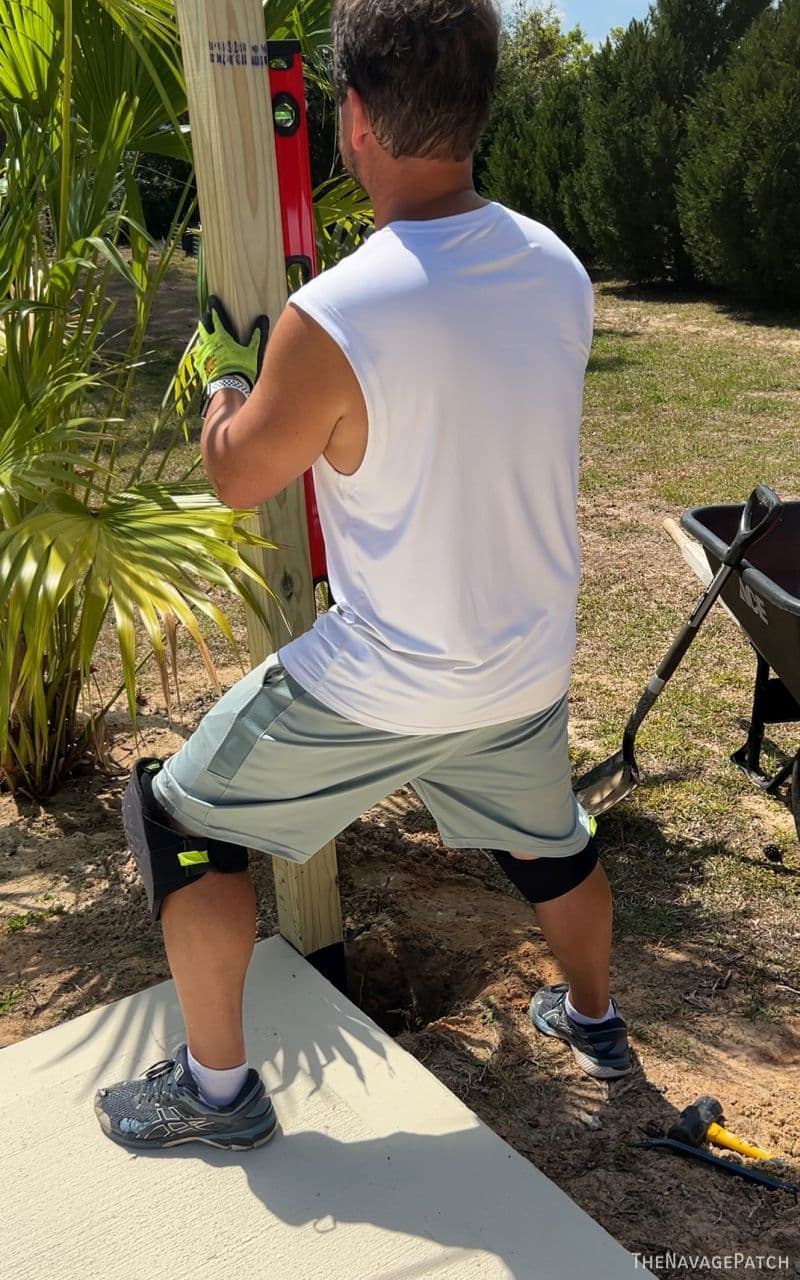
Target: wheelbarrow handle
x=762, y=512
x=611, y=782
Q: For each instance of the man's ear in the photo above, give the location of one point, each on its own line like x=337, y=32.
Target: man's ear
x=358, y=119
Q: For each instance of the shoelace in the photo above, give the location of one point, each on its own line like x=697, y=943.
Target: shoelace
x=157, y=1078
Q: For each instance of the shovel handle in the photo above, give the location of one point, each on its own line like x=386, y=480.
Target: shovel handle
x=762, y=512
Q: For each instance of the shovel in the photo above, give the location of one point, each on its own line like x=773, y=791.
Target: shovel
x=607, y=784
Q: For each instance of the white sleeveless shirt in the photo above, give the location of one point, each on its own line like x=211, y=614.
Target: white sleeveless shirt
x=453, y=551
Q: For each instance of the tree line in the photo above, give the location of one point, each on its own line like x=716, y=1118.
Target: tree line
x=671, y=153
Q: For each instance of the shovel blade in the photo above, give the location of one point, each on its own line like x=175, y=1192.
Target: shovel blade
x=607, y=784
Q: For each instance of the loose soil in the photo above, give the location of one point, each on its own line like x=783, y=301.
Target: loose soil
x=445, y=956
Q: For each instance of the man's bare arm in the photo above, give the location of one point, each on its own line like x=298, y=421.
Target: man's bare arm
x=253, y=449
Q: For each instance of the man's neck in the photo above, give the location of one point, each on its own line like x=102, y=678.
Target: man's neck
x=414, y=192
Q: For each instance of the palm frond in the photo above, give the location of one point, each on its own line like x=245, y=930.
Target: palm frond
x=109, y=67
x=344, y=217
x=150, y=26
x=308, y=22
x=29, y=63
x=148, y=555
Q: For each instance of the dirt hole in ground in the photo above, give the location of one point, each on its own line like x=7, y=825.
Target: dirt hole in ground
x=402, y=985
x=457, y=936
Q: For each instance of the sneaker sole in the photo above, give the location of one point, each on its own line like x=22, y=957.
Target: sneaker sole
x=590, y=1066
x=221, y=1145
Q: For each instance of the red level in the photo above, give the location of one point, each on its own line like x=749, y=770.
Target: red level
x=297, y=212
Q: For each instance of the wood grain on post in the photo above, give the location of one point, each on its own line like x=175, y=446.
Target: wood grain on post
x=230, y=107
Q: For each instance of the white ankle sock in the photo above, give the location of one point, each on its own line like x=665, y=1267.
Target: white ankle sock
x=582, y=1019
x=217, y=1088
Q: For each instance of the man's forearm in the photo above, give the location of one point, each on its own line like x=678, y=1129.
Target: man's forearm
x=219, y=416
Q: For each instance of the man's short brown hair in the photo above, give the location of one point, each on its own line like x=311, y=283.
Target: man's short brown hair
x=426, y=70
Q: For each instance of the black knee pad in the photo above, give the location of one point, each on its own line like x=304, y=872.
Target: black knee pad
x=543, y=879
x=167, y=860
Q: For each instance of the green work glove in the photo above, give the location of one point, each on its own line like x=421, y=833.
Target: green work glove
x=219, y=354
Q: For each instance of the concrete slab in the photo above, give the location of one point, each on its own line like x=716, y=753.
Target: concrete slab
x=379, y=1173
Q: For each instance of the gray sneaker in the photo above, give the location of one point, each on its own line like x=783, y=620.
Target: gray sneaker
x=164, y=1109
x=600, y=1050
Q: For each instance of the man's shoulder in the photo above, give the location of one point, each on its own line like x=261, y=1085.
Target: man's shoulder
x=338, y=281
x=545, y=238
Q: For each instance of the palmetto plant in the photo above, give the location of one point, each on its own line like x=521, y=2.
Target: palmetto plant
x=91, y=535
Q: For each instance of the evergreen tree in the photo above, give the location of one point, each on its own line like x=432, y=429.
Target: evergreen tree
x=641, y=85
x=529, y=146
x=739, y=194
x=557, y=156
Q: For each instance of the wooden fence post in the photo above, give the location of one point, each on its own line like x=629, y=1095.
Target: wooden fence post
x=230, y=108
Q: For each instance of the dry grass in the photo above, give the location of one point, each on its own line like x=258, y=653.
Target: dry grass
x=687, y=403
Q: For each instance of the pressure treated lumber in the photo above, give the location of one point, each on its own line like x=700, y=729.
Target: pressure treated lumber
x=694, y=556
x=230, y=108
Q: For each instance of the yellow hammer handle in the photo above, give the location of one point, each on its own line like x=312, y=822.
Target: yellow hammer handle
x=721, y=1138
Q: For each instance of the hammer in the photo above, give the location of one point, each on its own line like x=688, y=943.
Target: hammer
x=725, y=1166
x=699, y=1123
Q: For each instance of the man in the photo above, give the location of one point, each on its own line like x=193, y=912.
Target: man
x=434, y=380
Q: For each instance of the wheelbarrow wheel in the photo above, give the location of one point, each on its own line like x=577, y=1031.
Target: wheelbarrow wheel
x=796, y=793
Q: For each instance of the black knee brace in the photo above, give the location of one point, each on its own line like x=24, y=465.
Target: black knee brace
x=167, y=860
x=543, y=879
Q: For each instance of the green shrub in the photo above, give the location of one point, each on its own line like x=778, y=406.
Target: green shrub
x=534, y=145
x=558, y=148
x=642, y=82
x=739, y=194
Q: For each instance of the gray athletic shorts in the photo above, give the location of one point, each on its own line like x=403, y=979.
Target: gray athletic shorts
x=273, y=769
